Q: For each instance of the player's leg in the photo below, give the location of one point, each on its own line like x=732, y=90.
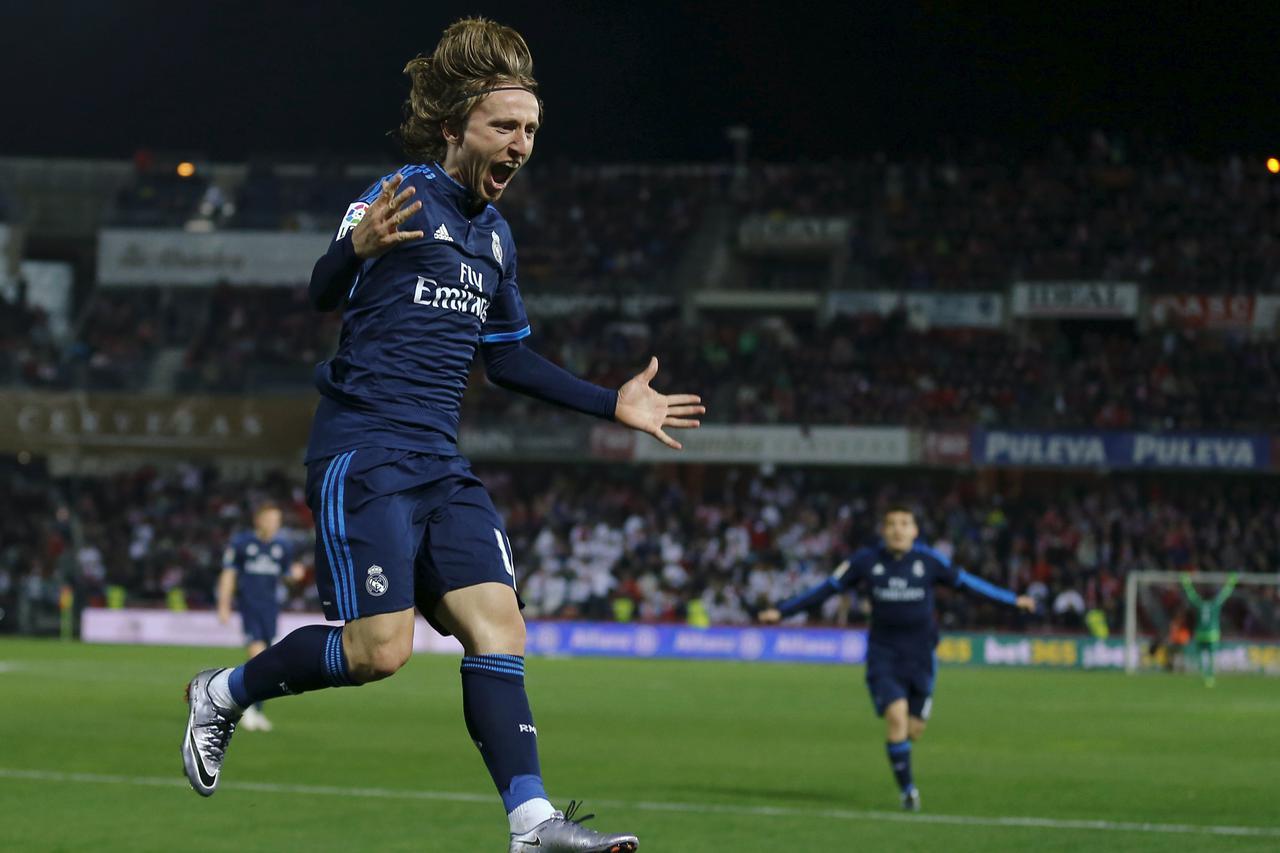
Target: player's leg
x=919, y=703
x=1206, y=662
x=253, y=718
x=915, y=728
x=898, y=748
x=367, y=533
x=466, y=587
x=486, y=620
x=889, y=696
x=897, y=720
x=360, y=521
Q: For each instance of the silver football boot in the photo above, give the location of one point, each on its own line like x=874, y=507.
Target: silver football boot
x=209, y=730
x=562, y=833
x=911, y=800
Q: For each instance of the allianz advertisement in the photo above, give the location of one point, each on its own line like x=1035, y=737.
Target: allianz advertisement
x=726, y=643
x=1170, y=451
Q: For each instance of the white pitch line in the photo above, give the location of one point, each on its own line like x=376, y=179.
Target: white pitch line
x=687, y=808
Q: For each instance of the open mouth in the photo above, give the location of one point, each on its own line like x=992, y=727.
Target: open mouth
x=500, y=174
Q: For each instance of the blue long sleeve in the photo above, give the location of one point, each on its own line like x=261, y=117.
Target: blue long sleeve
x=516, y=367
x=332, y=275
x=809, y=598
x=990, y=590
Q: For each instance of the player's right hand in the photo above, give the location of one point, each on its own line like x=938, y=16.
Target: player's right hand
x=770, y=616
x=379, y=231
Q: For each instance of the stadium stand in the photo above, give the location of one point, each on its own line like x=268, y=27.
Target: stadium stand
x=588, y=537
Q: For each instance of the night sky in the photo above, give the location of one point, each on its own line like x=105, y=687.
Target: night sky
x=653, y=81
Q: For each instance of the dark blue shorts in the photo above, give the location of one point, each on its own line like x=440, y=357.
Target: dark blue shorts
x=893, y=674
x=395, y=529
x=259, y=624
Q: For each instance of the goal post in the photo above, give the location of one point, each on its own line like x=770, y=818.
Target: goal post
x=1147, y=612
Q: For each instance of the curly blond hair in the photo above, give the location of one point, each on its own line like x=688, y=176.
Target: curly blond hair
x=474, y=56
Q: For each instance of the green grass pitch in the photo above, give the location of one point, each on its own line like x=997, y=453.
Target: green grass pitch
x=691, y=756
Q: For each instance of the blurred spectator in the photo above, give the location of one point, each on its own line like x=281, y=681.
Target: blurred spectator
x=590, y=539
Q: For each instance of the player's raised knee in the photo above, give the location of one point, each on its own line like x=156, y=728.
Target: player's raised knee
x=380, y=661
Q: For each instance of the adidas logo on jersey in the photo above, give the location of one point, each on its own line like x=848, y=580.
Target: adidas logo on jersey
x=442, y=233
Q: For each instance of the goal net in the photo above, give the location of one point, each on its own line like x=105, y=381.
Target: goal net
x=1163, y=621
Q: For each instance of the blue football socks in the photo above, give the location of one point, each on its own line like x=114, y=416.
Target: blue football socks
x=310, y=658
x=900, y=761
x=498, y=718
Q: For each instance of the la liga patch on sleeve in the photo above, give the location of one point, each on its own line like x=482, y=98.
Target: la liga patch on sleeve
x=354, y=214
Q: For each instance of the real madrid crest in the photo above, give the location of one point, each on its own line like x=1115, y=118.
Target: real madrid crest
x=376, y=583
x=497, y=248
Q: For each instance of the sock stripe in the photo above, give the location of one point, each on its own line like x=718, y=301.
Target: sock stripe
x=334, y=664
x=505, y=664
x=471, y=667
x=899, y=748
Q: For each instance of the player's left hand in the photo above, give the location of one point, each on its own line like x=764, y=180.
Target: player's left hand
x=1027, y=603
x=644, y=409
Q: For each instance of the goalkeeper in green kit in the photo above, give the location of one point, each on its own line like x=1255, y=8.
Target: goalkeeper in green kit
x=1208, y=622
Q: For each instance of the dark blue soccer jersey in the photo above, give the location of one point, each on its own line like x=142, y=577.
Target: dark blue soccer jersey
x=901, y=593
x=413, y=321
x=258, y=566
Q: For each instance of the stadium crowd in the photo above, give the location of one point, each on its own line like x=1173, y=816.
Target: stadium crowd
x=577, y=226
x=853, y=370
x=608, y=543
x=874, y=370
x=966, y=216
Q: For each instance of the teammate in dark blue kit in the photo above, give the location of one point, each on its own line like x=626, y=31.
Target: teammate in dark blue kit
x=900, y=574
x=426, y=269
x=253, y=565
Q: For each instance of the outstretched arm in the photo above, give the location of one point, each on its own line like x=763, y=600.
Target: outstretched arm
x=811, y=597
x=514, y=366
x=973, y=583
x=1190, y=590
x=1225, y=592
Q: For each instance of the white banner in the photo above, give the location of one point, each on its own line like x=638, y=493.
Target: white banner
x=155, y=256
x=1266, y=312
x=201, y=628
x=924, y=310
x=8, y=265
x=784, y=444
x=793, y=233
x=1075, y=299
x=567, y=304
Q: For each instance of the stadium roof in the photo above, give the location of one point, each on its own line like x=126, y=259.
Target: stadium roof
x=640, y=82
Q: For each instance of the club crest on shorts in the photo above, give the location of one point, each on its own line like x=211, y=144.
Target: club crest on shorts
x=497, y=248
x=376, y=583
